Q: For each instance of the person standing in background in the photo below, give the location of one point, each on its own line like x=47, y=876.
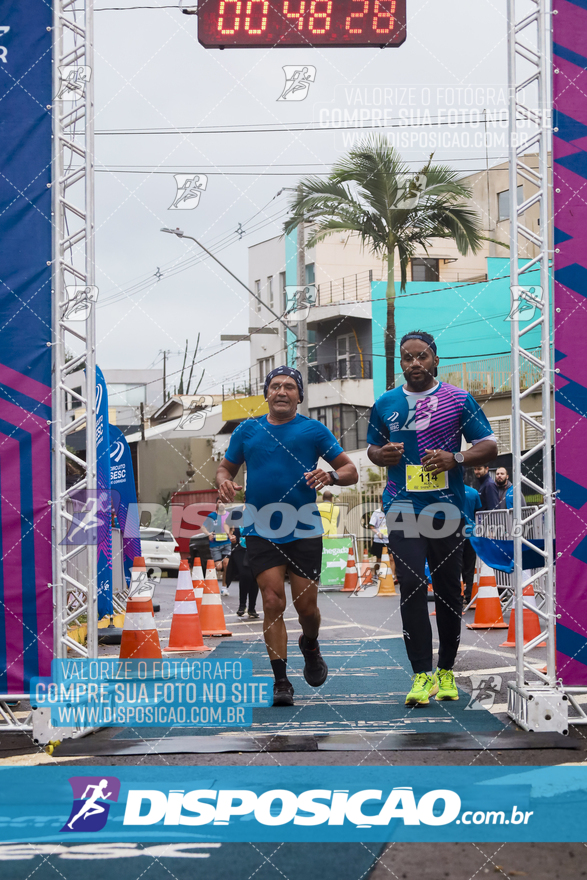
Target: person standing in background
x=487, y=488
x=329, y=514
x=503, y=483
x=220, y=547
x=378, y=526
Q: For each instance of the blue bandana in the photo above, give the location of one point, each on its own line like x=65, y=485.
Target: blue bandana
x=285, y=371
x=423, y=337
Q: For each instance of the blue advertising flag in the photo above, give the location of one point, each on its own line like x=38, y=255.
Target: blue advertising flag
x=103, y=483
x=124, y=497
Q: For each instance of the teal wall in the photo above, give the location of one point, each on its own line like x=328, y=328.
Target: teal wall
x=468, y=321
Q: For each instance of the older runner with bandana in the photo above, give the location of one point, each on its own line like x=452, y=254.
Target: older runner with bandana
x=416, y=431
x=283, y=527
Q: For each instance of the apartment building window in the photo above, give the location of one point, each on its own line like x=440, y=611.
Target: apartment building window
x=347, y=357
x=425, y=269
x=503, y=203
x=501, y=427
x=348, y=424
x=270, y=296
x=310, y=273
x=258, y=292
x=531, y=435
x=265, y=366
x=282, y=293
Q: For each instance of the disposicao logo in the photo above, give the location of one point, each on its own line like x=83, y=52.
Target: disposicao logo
x=90, y=802
x=368, y=808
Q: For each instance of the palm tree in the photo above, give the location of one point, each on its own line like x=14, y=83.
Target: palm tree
x=372, y=193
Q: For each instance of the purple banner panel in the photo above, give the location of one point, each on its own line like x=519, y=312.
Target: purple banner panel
x=570, y=332
x=26, y=605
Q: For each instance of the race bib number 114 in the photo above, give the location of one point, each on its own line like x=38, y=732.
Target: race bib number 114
x=419, y=480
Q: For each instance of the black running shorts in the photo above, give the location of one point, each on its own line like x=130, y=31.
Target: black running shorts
x=302, y=557
x=377, y=549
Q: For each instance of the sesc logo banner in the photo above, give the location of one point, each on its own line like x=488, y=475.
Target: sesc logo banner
x=92, y=796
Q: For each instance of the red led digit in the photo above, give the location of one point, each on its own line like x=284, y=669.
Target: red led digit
x=299, y=14
x=325, y=16
x=263, y=13
x=236, y=22
x=380, y=27
x=361, y=15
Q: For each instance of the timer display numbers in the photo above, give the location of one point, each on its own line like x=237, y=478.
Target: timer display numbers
x=226, y=24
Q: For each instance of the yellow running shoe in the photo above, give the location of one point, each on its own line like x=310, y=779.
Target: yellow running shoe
x=447, y=689
x=424, y=686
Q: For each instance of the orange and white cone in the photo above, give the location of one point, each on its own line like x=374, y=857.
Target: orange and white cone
x=386, y=582
x=531, y=623
x=366, y=572
x=198, y=583
x=212, y=617
x=186, y=632
x=351, y=578
x=488, y=608
x=473, y=602
x=140, y=639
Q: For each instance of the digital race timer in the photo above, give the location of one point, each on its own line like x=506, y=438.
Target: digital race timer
x=225, y=24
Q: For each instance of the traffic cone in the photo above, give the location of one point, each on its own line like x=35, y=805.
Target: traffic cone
x=488, y=609
x=140, y=639
x=386, y=584
x=212, y=617
x=198, y=583
x=366, y=573
x=186, y=633
x=351, y=578
x=531, y=623
x=474, y=591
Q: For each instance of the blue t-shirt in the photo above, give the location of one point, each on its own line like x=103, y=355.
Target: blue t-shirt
x=216, y=528
x=430, y=420
x=277, y=457
x=472, y=504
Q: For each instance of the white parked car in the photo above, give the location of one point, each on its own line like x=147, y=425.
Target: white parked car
x=158, y=547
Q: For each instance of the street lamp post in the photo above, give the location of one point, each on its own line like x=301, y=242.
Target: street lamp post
x=302, y=346
x=181, y=234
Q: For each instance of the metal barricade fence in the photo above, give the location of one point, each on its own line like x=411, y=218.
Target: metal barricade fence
x=499, y=525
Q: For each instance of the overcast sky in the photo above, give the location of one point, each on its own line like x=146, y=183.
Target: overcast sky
x=151, y=73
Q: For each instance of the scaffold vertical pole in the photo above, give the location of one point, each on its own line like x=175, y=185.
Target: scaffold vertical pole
x=74, y=295
x=535, y=699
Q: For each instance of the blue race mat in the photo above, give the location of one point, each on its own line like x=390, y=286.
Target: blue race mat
x=364, y=693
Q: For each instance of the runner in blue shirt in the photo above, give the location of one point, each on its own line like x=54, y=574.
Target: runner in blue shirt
x=416, y=431
x=282, y=522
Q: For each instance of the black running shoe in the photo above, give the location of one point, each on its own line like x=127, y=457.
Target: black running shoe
x=315, y=669
x=283, y=693
x=253, y=615
x=241, y=610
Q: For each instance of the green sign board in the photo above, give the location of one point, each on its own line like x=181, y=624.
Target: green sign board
x=334, y=559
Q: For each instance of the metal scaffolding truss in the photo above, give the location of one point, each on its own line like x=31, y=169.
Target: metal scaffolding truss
x=536, y=700
x=74, y=295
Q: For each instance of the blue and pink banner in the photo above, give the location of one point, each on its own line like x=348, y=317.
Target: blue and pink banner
x=26, y=606
x=124, y=497
x=570, y=333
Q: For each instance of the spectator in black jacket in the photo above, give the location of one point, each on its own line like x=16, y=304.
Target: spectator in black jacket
x=487, y=488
